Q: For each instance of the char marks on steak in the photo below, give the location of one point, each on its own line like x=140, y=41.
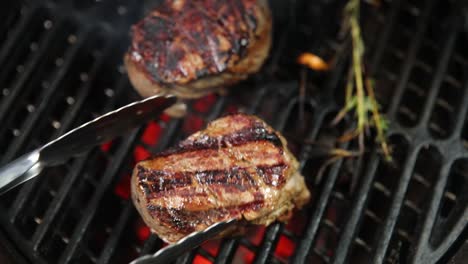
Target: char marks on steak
x=191, y=47
x=238, y=167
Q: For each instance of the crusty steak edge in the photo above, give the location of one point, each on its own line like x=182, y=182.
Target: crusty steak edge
x=238, y=167
x=248, y=61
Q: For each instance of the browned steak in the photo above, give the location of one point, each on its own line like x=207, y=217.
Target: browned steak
x=238, y=167
x=191, y=47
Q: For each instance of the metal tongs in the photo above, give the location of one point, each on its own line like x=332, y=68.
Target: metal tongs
x=171, y=252
x=82, y=139
x=90, y=134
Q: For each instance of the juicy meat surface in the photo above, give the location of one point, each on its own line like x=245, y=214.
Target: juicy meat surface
x=192, y=47
x=238, y=167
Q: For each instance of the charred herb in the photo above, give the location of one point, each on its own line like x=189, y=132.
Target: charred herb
x=359, y=91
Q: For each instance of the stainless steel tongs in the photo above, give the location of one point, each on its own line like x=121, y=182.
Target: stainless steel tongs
x=90, y=134
x=81, y=139
x=172, y=252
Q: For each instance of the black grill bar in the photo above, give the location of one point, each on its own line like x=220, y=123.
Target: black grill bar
x=84, y=91
x=305, y=245
x=111, y=244
x=441, y=69
x=349, y=231
x=19, y=86
x=411, y=59
x=306, y=242
x=350, y=228
x=15, y=37
x=269, y=242
x=49, y=94
x=273, y=231
x=226, y=251
x=399, y=196
x=423, y=252
x=117, y=163
x=460, y=118
x=30, y=125
x=56, y=205
x=386, y=36
x=77, y=168
x=187, y=257
x=423, y=247
x=128, y=212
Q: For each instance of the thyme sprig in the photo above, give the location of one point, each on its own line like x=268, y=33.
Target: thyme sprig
x=359, y=90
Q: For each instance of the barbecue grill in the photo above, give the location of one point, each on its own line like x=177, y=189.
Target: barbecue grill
x=62, y=66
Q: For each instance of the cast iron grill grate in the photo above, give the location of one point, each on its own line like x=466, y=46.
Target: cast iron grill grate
x=61, y=66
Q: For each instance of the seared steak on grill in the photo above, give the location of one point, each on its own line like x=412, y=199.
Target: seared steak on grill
x=192, y=47
x=238, y=167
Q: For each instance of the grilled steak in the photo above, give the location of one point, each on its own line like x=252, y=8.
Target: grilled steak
x=238, y=167
x=190, y=48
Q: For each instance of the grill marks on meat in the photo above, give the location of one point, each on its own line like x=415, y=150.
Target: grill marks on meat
x=256, y=132
x=156, y=182
x=183, y=40
x=191, y=47
x=272, y=175
x=236, y=168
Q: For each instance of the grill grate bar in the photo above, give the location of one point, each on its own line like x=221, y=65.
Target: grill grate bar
x=273, y=232
x=422, y=254
x=84, y=91
x=248, y=244
x=322, y=254
x=16, y=36
x=399, y=197
x=205, y=254
x=382, y=42
x=226, y=252
x=217, y=109
x=187, y=257
x=459, y=120
x=395, y=207
x=440, y=72
x=150, y=244
x=29, y=124
x=453, y=235
x=116, y=163
x=57, y=204
x=410, y=59
x=439, y=189
x=350, y=229
x=305, y=244
x=19, y=86
x=32, y=120
x=126, y=215
x=117, y=231
x=269, y=241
